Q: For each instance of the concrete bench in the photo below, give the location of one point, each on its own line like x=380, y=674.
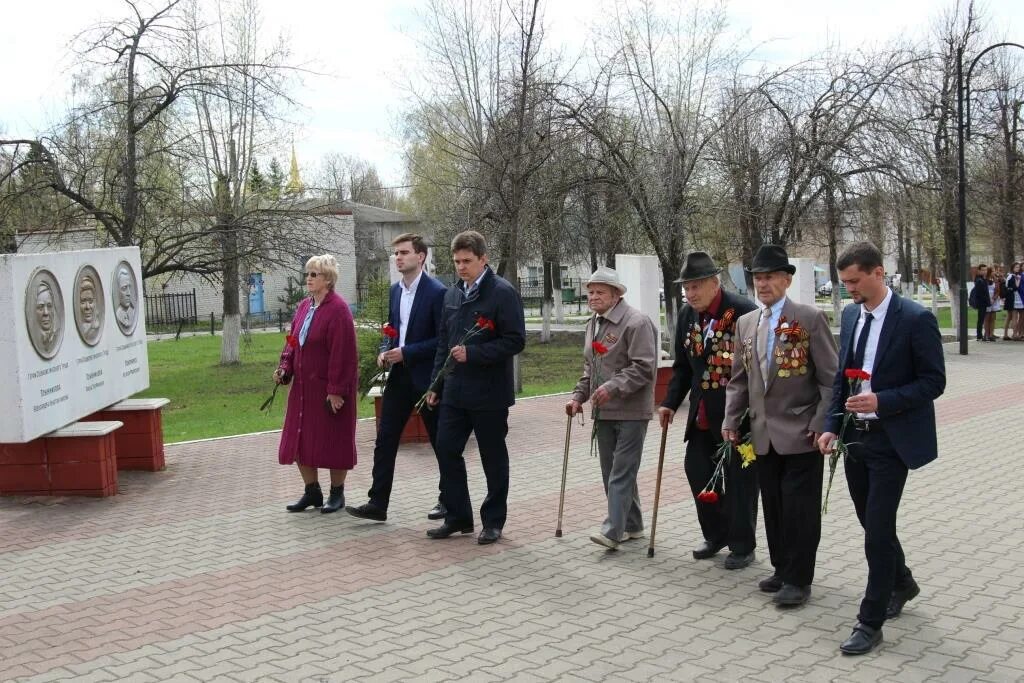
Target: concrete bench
x=79, y=459
x=414, y=432
x=140, y=443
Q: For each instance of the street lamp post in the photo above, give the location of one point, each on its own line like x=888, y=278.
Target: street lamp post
x=963, y=126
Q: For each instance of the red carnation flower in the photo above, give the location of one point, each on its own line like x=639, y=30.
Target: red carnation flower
x=864, y=375
x=389, y=331
x=599, y=348
x=708, y=497
x=291, y=340
x=485, y=324
x=852, y=373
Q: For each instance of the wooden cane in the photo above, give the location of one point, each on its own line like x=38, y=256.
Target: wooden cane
x=657, y=490
x=565, y=469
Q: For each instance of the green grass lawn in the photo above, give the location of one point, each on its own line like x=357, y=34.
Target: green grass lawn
x=209, y=400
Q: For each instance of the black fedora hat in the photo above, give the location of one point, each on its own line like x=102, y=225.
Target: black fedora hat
x=697, y=266
x=769, y=259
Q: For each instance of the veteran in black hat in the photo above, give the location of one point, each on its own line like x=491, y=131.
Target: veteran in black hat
x=782, y=380
x=705, y=342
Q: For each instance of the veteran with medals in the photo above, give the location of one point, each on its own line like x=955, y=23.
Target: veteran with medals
x=704, y=347
x=782, y=380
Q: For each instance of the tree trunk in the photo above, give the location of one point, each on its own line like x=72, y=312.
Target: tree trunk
x=832, y=233
x=546, y=305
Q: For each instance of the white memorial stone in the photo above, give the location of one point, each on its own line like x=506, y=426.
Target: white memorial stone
x=642, y=277
x=802, y=289
x=74, y=338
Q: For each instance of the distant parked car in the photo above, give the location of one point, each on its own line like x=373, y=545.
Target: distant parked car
x=825, y=289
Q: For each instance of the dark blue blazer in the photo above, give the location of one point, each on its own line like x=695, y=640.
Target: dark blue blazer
x=421, y=334
x=485, y=381
x=909, y=373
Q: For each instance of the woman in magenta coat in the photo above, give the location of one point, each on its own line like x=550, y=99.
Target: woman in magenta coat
x=321, y=361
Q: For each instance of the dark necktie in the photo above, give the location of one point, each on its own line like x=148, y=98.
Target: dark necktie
x=598, y=324
x=862, y=342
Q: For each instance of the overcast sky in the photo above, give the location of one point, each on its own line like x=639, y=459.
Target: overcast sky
x=366, y=49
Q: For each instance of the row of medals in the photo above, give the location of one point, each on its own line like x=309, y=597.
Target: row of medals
x=721, y=345
x=796, y=362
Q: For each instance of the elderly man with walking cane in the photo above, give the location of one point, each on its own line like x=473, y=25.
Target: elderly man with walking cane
x=704, y=346
x=782, y=378
x=619, y=368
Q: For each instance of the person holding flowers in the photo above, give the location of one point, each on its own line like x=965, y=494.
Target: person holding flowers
x=407, y=351
x=482, y=329
x=782, y=380
x=896, y=346
x=320, y=360
x=619, y=373
x=704, y=346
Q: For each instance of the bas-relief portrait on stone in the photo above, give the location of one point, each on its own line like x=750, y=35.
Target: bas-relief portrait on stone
x=89, y=305
x=44, y=313
x=126, y=298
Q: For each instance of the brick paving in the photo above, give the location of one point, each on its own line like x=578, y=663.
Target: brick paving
x=197, y=573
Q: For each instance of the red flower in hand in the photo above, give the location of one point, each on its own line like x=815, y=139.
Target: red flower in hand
x=599, y=348
x=708, y=496
x=291, y=340
x=851, y=373
x=389, y=331
x=485, y=324
x=864, y=376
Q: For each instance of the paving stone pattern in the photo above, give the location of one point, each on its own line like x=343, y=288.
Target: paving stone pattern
x=197, y=573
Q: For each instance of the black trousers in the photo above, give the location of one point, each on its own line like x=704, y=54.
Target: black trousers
x=454, y=425
x=397, y=404
x=875, y=476
x=980, y=329
x=791, y=498
x=732, y=520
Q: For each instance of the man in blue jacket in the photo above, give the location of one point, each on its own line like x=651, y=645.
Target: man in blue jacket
x=897, y=342
x=415, y=313
x=482, y=329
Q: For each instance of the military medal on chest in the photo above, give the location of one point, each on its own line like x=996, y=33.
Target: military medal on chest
x=722, y=347
x=791, y=348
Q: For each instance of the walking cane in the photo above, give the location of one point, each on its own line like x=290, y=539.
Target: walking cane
x=565, y=469
x=657, y=490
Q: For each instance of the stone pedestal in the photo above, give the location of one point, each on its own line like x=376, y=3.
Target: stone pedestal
x=642, y=277
x=414, y=432
x=802, y=289
x=662, y=381
x=140, y=442
x=77, y=460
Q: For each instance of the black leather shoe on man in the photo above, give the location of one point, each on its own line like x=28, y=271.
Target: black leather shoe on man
x=438, y=511
x=488, y=535
x=901, y=597
x=738, y=560
x=446, y=530
x=792, y=596
x=707, y=549
x=770, y=585
x=863, y=640
x=368, y=511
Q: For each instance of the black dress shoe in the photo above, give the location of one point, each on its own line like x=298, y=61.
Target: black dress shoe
x=792, y=596
x=738, y=561
x=770, y=585
x=313, y=497
x=863, y=640
x=368, y=511
x=437, y=512
x=488, y=535
x=335, y=501
x=446, y=530
x=707, y=549
x=899, y=598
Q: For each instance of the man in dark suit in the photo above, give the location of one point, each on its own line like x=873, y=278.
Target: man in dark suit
x=782, y=377
x=704, y=345
x=482, y=329
x=898, y=343
x=415, y=312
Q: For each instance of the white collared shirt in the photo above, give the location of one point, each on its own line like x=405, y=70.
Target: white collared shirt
x=878, y=315
x=405, y=306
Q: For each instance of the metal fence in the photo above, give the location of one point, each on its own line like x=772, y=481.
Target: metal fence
x=169, y=309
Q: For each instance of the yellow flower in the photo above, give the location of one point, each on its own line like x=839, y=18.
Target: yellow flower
x=746, y=451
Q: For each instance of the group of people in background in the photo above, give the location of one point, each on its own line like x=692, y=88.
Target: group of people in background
x=996, y=291
x=768, y=380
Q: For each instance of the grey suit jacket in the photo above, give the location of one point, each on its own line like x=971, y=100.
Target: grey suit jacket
x=797, y=396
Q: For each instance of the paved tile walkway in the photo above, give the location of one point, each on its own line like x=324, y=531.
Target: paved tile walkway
x=197, y=573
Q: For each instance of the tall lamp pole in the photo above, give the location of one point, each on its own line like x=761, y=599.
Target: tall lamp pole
x=963, y=129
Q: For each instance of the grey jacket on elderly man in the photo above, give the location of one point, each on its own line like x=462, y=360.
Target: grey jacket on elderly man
x=627, y=370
